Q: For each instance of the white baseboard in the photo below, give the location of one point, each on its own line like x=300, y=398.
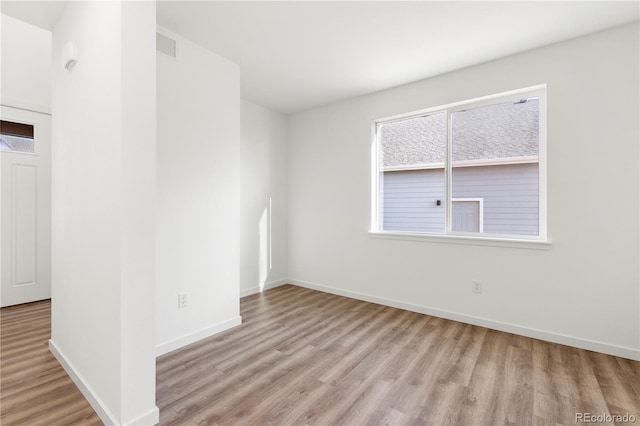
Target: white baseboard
x=621, y=351
x=151, y=417
x=193, y=337
x=95, y=402
x=267, y=286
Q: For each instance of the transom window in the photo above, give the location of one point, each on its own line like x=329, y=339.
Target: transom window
x=16, y=137
x=474, y=168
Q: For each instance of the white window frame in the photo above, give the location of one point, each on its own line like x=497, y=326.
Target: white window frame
x=539, y=241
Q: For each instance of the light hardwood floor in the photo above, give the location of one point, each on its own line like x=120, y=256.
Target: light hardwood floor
x=304, y=357
x=34, y=389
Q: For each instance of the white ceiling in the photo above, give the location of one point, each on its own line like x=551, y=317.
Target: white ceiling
x=295, y=55
x=43, y=14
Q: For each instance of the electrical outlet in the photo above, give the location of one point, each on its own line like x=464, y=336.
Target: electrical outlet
x=183, y=300
x=476, y=286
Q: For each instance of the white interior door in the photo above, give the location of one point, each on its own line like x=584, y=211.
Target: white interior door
x=25, y=206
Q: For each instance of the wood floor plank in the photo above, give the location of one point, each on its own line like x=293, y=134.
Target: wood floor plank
x=34, y=388
x=422, y=374
x=619, y=389
x=303, y=357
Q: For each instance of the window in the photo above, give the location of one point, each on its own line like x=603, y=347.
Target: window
x=472, y=169
x=16, y=137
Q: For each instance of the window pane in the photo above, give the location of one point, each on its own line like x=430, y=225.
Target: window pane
x=16, y=137
x=412, y=178
x=495, y=160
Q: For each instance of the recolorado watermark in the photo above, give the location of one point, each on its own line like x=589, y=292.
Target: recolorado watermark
x=605, y=418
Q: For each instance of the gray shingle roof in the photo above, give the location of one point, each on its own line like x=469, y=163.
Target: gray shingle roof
x=15, y=143
x=490, y=132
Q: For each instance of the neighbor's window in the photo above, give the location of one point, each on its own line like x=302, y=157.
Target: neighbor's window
x=16, y=137
x=473, y=168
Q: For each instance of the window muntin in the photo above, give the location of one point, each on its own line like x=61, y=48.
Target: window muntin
x=16, y=137
x=489, y=149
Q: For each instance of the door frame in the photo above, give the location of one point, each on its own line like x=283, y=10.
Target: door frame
x=480, y=202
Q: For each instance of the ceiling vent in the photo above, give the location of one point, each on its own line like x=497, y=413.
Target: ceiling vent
x=166, y=45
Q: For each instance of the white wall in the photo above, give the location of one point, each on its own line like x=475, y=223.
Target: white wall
x=263, y=212
x=25, y=79
x=198, y=185
x=138, y=231
x=103, y=207
x=583, y=291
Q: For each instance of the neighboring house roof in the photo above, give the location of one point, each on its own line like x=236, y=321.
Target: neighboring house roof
x=4, y=146
x=492, y=132
x=15, y=143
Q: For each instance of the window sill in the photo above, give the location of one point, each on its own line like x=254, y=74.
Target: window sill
x=463, y=239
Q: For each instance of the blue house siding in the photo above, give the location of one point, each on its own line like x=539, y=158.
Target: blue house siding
x=409, y=202
x=509, y=192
